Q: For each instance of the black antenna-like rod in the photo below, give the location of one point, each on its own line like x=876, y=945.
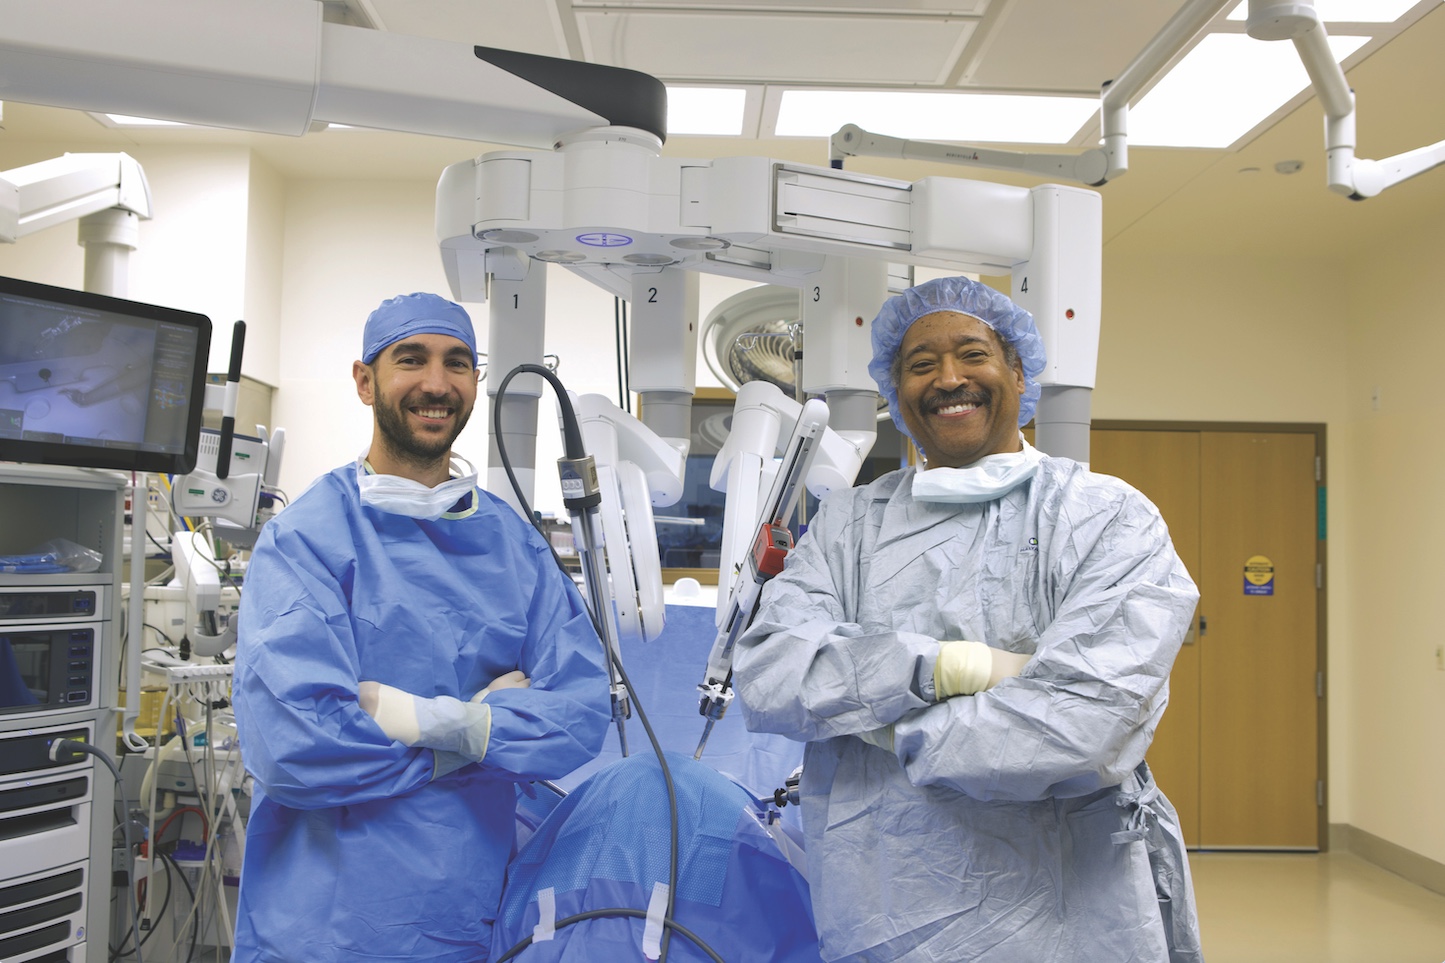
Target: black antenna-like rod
x=626, y=364
x=228, y=408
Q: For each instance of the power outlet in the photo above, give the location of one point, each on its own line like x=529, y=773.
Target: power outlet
x=1440, y=657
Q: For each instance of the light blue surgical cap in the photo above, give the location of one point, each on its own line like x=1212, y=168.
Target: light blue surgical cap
x=409, y=314
x=1013, y=324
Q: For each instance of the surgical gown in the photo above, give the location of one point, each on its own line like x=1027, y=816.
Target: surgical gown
x=358, y=848
x=1018, y=825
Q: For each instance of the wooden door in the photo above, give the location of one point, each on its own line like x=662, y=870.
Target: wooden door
x=1237, y=750
x=1164, y=465
x=1259, y=725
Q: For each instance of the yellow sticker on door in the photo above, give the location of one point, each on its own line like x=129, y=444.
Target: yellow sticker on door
x=1258, y=576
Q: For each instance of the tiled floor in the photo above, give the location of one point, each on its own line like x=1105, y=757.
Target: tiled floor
x=1313, y=908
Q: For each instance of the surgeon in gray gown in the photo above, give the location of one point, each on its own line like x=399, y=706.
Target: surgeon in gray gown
x=977, y=655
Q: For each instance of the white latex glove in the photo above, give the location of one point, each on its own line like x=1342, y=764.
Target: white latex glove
x=966, y=668
x=507, y=680
x=441, y=723
x=881, y=737
x=393, y=710
x=1006, y=665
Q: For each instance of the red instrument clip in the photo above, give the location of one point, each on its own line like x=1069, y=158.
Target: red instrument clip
x=770, y=549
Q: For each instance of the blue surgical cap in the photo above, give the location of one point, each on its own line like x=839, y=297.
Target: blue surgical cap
x=409, y=314
x=1013, y=324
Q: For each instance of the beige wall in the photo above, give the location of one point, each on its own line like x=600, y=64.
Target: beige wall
x=1395, y=525
x=265, y=247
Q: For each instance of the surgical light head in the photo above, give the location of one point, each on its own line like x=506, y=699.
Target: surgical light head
x=409, y=314
x=1014, y=326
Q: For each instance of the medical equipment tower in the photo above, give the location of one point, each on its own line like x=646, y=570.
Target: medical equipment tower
x=58, y=632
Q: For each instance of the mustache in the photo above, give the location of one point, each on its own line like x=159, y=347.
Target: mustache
x=427, y=400
x=958, y=396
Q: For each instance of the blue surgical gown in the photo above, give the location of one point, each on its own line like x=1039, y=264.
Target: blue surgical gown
x=358, y=848
x=1018, y=825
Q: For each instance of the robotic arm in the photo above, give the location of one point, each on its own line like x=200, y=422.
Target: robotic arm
x=635, y=470
x=743, y=466
x=747, y=470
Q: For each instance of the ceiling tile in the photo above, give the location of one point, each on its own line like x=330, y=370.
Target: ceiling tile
x=1073, y=46
x=527, y=27
x=776, y=48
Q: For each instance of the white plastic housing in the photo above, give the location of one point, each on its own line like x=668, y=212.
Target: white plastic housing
x=1060, y=281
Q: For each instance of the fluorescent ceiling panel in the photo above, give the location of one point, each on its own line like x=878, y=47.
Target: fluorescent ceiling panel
x=1221, y=89
x=994, y=118
x=1348, y=11
x=125, y=120
x=706, y=110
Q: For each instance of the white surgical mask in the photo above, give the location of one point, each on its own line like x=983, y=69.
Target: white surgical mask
x=402, y=496
x=986, y=479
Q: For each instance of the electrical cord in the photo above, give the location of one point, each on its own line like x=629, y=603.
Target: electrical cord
x=116, y=952
x=195, y=927
x=164, y=550
x=572, y=436
x=210, y=811
x=72, y=750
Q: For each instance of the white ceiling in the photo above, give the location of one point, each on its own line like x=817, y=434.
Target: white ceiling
x=1017, y=45
x=1193, y=201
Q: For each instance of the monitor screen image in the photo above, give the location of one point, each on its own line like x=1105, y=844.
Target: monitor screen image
x=99, y=382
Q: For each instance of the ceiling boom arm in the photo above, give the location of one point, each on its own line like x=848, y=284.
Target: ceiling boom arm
x=1355, y=177
x=1090, y=167
x=68, y=188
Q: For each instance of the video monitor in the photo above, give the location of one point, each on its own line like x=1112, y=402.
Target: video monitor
x=99, y=382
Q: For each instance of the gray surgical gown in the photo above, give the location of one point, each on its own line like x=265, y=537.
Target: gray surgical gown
x=1018, y=825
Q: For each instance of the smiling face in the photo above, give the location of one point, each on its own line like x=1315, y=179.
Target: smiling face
x=421, y=390
x=958, y=389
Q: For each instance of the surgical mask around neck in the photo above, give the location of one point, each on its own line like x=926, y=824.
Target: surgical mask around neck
x=403, y=496
x=990, y=477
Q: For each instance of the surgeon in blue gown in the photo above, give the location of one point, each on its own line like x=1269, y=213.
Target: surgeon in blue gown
x=408, y=652
x=976, y=654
